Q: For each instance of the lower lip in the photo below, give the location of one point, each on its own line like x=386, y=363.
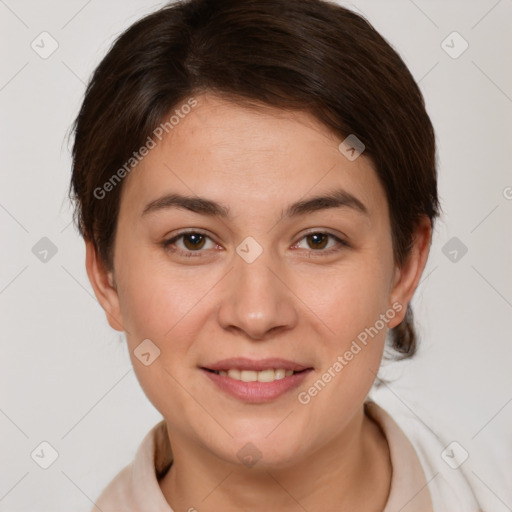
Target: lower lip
x=257, y=392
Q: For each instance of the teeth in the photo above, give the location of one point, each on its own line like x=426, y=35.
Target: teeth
x=253, y=376
x=267, y=375
x=281, y=374
x=248, y=376
x=234, y=374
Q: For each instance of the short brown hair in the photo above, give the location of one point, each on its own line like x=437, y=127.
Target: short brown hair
x=307, y=55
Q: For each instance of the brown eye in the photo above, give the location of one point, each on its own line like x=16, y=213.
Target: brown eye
x=317, y=240
x=188, y=243
x=193, y=241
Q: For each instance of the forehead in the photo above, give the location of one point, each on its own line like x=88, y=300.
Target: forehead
x=239, y=154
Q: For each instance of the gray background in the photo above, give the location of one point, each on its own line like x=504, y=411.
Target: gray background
x=65, y=375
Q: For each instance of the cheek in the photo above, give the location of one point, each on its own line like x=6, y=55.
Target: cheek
x=159, y=303
x=350, y=298
x=155, y=297
x=354, y=307
x=351, y=352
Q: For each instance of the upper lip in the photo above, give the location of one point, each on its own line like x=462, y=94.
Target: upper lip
x=242, y=363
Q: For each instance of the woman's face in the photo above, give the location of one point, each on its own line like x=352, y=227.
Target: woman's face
x=261, y=275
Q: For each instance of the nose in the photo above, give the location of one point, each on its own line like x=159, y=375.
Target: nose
x=257, y=300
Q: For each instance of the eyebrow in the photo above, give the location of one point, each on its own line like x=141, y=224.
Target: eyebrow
x=335, y=199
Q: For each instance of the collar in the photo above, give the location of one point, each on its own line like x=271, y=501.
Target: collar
x=408, y=483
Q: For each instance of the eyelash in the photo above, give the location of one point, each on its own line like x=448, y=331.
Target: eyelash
x=168, y=244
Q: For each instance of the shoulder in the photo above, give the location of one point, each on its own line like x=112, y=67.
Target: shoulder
x=442, y=461
x=135, y=488
x=118, y=493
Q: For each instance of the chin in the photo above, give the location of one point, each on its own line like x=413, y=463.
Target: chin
x=259, y=450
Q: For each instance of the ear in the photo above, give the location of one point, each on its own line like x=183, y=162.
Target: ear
x=407, y=277
x=103, y=284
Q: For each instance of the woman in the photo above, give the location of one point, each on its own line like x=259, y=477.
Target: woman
x=256, y=186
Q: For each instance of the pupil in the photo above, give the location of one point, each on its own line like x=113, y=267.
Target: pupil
x=316, y=236
x=196, y=240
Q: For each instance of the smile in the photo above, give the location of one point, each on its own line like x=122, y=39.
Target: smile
x=255, y=380
x=269, y=375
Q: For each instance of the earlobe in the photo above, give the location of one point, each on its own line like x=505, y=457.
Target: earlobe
x=407, y=277
x=104, y=286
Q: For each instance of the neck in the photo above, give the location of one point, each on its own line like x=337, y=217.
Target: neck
x=350, y=472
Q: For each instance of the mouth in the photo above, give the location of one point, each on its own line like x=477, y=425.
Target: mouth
x=269, y=375
x=256, y=381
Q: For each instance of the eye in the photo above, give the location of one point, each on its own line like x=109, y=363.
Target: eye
x=193, y=241
x=318, y=241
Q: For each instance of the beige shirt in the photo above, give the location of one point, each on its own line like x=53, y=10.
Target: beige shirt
x=419, y=481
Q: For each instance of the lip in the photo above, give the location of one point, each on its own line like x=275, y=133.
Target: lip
x=256, y=392
x=243, y=363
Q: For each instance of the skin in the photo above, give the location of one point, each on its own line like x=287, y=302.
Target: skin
x=294, y=301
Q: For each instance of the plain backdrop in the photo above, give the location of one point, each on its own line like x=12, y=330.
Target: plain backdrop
x=65, y=375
